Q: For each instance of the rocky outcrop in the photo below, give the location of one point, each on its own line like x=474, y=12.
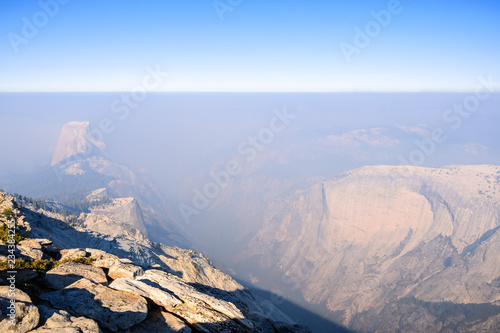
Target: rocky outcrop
x=70, y=272
x=153, y=287
x=195, y=267
x=67, y=237
x=23, y=252
x=35, y=243
x=61, y=321
x=100, y=258
x=112, y=309
x=121, y=270
x=196, y=308
x=30, y=253
x=22, y=275
x=159, y=321
x=157, y=295
x=17, y=311
x=71, y=254
x=120, y=216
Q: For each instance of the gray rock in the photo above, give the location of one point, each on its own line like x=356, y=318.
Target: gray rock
x=70, y=272
x=154, y=293
x=159, y=321
x=31, y=243
x=25, y=316
x=22, y=275
x=122, y=270
x=52, y=250
x=36, y=243
x=73, y=254
x=101, y=259
x=62, y=321
x=189, y=294
x=112, y=309
x=29, y=253
x=201, y=310
x=25, y=275
x=43, y=241
x=120, y=216
x=195, y=268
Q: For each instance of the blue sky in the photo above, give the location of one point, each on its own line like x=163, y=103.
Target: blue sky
x=259, y=45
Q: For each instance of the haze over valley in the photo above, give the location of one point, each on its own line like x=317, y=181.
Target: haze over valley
x=249, y=166
x=311, y=212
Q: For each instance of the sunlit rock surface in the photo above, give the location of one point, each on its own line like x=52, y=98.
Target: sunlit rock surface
x=416, y=238
x=120, y=284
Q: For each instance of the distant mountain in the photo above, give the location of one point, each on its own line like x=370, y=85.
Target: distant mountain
x=80, y=167
x=76, y=139
x=391, y=249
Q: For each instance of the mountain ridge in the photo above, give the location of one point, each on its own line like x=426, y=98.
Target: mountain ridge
x=205, y=299
x=379, y=234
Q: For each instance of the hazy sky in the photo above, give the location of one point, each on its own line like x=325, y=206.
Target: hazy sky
x=248, y=46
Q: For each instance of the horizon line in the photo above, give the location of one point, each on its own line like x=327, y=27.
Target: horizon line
x=248, y=91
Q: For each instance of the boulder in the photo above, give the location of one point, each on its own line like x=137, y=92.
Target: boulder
x=25, y=275
x=25, y=316
x=201, y=310
x=72, y=254
x=62, y=321
x=52, y=250
x=101, y=258
x=159, y=321
x=188, y=293
x=156, y=294
x=36, y=243
x=112, y=309
x=29, y=253
x=31, y=243
x=22, y=275
x=70, y=272
x=122, y=270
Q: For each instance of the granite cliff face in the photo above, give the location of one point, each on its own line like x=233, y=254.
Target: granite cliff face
x=393, y=248
x=75, y=280
x=76, y=138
